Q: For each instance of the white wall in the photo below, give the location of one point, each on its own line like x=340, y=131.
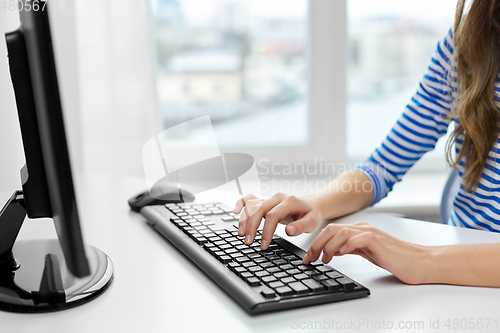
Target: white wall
x=11, y=153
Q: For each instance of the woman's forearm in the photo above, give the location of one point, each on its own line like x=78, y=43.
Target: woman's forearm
x=349, y=192
x=470, y=265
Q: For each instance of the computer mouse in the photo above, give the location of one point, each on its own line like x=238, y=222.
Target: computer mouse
x=145, y=199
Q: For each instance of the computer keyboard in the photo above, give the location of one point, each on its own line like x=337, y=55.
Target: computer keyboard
x=259, y=280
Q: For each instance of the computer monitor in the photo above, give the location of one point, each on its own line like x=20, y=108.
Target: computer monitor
x=44, y=275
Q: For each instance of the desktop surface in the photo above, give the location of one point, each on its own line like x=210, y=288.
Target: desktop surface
x=157, y=289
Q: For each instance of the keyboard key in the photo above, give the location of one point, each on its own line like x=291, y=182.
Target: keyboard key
x=269, y=279
x=254, y=269
x=332, y=285
x=206, y=212
x=301, y=276
x=246, y=275
x=266, y=264
x=346, y=283
x=236, y=255
x=242, y=259
x=273, y=270
x=280, y=275
x=288, y=280
x=240, y=270
x=199, y=226
x=229, y=219
x=232, y=265
x=334, y=275
x=268, y=293
x=248, y=264
x=253, y=281
x=304, y=267
x=290, y=258
x=217, y=211
x=200, y=240
x=313, y=285
x=320, y=277
x=324, y=268
x=299, y=288
x=225, y=259
x=312, y=273
x=279, y=262
x=284, y=291
x=293, y=271
x=225, y=208
x=296, y=262
x=276, y=284
x=231, y=250
x=286, y=267
x=261, y=273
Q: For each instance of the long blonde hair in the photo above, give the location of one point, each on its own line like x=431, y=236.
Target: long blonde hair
x=477, y=48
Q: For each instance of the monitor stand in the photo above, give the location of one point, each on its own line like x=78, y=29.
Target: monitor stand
x=34, y=276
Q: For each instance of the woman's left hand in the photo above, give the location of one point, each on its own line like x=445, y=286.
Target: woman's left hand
x=407, y=261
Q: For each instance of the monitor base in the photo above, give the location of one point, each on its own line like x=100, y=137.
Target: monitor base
x=43, y=282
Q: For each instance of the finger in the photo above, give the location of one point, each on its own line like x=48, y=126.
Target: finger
x=319, y=243
x=288, y=207
x=337, y=242
x=252, y=206
x=360, y=241
x=241, y=202
x=255, y=216
x=307, y=223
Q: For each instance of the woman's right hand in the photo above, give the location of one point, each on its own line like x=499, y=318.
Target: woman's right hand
x=305, y=213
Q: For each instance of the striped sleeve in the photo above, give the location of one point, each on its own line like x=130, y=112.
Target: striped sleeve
x=419, y=127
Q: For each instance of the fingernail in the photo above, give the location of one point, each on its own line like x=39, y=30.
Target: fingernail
x=247, y=239
x=306, y=260
x=241, y=230
x=263, y=245
x=292, y=230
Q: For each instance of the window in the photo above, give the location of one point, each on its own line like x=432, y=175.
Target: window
x=390, y=44
x=265, y=72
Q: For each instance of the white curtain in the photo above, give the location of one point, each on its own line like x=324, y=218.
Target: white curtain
x=117, y=75
x=105, y=60
x=11, y=154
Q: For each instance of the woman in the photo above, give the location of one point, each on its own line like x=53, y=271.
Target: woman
x=462, y=85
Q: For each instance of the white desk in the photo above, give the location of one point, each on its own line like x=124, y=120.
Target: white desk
x=156, y=289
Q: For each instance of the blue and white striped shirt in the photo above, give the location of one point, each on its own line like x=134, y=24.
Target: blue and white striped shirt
x=417, y=131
